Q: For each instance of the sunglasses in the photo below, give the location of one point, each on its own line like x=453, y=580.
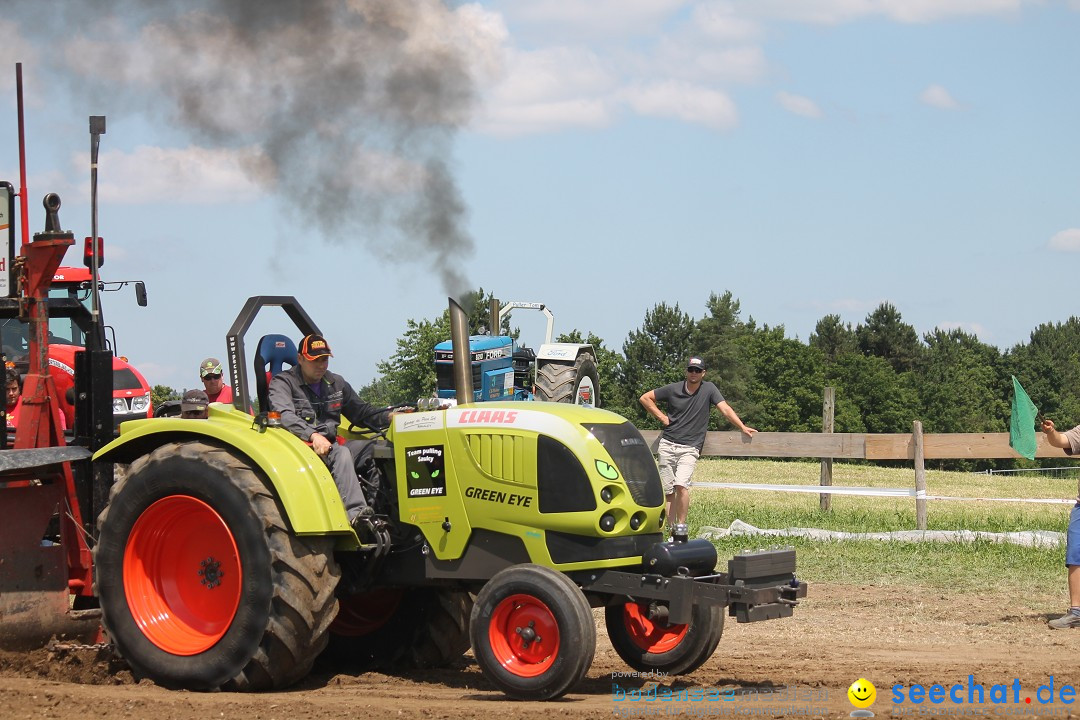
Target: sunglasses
x=212, y=377
x=694, y=370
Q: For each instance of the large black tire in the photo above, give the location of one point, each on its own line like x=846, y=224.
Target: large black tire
x=532, y=632
x=562, y=382
x=646, y=645
x=407, y=629
x=202, y=585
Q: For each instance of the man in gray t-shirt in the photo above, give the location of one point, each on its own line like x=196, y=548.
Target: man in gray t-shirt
x=685, y=423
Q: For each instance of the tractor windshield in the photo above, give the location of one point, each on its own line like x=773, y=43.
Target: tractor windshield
x=444, y=376
x=64, y=331
x=15, y=334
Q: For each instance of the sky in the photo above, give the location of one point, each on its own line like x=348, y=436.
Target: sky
x=373, y=157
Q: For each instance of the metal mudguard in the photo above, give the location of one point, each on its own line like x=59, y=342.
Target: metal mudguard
x=301, y=480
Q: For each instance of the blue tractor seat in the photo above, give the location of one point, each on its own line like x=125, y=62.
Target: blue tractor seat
x=272, y=354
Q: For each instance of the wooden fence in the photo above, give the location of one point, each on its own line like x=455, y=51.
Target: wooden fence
x=915, y=446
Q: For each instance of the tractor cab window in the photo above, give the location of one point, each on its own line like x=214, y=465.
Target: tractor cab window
x=64, y=331
x=444, y=376
x=15, y=337
x=75, y=291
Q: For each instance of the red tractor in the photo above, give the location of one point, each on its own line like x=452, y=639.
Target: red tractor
x=50, y=489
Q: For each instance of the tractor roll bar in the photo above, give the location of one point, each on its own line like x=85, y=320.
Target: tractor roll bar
x=234, y=340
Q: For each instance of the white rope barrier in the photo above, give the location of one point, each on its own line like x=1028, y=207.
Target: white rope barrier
x=830, y=489
x=871, y=492
x=1046, y=539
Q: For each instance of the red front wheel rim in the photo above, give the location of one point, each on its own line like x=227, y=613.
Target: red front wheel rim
x=524, y=636
x=182, y=575
x=648, y=635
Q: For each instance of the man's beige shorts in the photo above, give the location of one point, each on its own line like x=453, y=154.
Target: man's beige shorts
x=677, y=463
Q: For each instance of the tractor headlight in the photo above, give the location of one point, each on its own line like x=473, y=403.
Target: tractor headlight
x=607, y=522
x=140, y=404
x=637, y=520
x=606, y=494
x=119, y=405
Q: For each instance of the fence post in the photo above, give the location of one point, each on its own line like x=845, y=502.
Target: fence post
x=827, y=404
x=920, y=475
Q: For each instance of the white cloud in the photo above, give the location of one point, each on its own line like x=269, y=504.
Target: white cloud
x=543, y=117
x=684, y=101
x=939, y=97
x=798, y=105
x=923, y=11
x=662, y=58
x=1066, y=240
x=552, y=74
x=192, y=175
x=547, y=90
x=483, y=36
x=202, y=176
x=835, y=12
x=688, y=52
x=686, y=56
x=719, y=20
x=595, y=18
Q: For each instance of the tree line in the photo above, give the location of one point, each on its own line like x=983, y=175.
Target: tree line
x=884, y=373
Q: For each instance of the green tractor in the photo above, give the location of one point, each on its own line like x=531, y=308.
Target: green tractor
x=225, y=560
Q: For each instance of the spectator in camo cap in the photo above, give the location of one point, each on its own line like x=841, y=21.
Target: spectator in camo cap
x=211, y=376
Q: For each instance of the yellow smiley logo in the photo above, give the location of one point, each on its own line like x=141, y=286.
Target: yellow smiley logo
x=862, y=693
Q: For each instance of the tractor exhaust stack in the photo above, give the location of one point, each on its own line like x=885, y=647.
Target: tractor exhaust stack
x=459, y=336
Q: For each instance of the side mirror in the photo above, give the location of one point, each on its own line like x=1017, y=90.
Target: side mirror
x=140, y=293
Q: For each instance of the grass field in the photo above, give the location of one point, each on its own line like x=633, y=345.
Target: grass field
x=966, y=566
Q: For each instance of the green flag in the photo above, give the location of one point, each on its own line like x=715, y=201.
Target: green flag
x=1022, y=436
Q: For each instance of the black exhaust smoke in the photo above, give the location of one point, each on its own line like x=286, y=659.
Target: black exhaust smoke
x=345, y=111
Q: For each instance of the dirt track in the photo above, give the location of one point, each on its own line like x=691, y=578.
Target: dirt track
x=786, y=668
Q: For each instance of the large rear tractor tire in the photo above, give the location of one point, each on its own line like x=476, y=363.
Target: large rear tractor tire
x=532, y=632
x=400, y=629
x=562, y=382
x=202, y=584
x=648, y=644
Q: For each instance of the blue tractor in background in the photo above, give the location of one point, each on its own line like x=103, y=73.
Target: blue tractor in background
x=502, y=369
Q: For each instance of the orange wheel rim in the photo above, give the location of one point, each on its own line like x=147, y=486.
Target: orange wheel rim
x=182, y=575
x=524, y=636
x=647, y=635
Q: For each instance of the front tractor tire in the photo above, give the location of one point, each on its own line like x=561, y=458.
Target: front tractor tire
x=532, y=632
x=202, y=584
x=578, y=383
x=647, y=643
